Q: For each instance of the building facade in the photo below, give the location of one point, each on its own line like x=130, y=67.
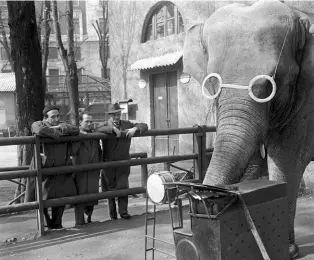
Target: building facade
x=154, y=70
x=7, y=101
x=154, y=79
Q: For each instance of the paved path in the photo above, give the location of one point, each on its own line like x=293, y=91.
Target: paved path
x=114, y=240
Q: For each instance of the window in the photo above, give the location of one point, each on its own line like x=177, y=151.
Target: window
x=4, y=55
x=166, y=20
x=76, y=25
x=53, y=53
x=77, y=53
x=53, y=77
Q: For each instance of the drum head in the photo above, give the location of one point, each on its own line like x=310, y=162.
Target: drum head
x=155, y=188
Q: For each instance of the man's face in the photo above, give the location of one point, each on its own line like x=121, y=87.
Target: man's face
x=87, y=123
x=53, y=117
x=116, y=117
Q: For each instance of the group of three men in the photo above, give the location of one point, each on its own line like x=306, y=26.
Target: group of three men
x=84, y=152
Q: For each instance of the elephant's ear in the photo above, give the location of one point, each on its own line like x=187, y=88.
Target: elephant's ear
x=194, y=52
x=305, y=80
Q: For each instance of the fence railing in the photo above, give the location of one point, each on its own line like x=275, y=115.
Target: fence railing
x=200, y=155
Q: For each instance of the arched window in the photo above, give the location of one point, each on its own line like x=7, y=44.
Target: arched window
x=164, y=21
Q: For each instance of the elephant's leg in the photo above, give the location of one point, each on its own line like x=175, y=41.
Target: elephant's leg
x=285, y=165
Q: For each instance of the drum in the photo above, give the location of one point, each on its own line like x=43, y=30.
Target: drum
x=156, y=189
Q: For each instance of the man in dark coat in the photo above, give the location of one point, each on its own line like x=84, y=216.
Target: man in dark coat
x=115, y=149
x=85, y=152
x=55, y=155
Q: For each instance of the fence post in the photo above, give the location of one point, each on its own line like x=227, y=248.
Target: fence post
x=205, y=159
x=144, y=173
x=40, y=211
x=196, y=162
x=166, y=167
x=199, y=146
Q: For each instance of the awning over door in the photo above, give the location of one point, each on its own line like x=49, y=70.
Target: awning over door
x=158, y=61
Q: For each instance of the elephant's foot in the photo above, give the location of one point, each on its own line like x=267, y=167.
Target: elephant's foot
x=293, y=251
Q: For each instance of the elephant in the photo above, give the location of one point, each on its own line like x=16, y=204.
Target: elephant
x=257, y=63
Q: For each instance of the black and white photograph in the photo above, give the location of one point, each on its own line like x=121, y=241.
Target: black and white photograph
x=157, y=130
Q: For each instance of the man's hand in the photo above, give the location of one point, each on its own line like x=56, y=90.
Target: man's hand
x=83, y=132
x=57, y=130
x=116, y=131
x=56, y=127
x=130, y=132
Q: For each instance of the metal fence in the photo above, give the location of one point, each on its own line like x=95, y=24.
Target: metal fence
x=200, y=155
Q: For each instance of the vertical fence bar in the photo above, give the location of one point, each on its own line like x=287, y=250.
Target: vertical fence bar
x=197, y=148
x=166, y=166
x=204, y=159
x=144, y=175
x=40, y=211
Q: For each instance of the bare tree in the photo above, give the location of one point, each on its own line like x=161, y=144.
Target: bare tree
x=68, y=57
x=25, y=53
x=122, y=37
x=43, y=28
x=4, y=39
x=43, y=20
x=102, y=30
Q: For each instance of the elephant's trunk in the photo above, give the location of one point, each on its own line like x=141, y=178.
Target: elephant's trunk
x=242, y=124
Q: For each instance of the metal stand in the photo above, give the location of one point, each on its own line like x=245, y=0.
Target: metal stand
x=152, y=217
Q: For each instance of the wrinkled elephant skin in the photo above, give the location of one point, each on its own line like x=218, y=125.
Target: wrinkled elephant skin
x=239, y=42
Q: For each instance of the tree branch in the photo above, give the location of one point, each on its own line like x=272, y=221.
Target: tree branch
x=62, y=51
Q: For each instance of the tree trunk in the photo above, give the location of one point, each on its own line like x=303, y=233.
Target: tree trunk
x=45, y=43
x=68, y=58
x=26, y=56
x=71, y=74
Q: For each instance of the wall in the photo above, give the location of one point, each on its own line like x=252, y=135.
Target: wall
x=9, y=105
x=191, y=104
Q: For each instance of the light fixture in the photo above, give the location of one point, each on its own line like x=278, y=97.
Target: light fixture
x=142, y=83
x=185, y=78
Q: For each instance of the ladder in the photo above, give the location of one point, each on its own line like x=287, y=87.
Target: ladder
x=151, y=217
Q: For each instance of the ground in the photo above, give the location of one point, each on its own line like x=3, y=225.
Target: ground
x=112, y=240
x=115, y=240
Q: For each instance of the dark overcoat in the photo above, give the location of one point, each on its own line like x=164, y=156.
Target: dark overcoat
x=115, y=149
x=87, y=182
x=54, y=155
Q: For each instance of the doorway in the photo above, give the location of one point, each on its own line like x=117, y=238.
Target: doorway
x=165, y=111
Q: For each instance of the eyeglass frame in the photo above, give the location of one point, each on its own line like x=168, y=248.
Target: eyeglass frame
x=235, y=86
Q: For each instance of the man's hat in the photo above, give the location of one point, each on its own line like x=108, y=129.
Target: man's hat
x=49, y=108
x=113, y=108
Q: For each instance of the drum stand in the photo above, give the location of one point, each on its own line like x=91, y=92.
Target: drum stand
x=176, y=207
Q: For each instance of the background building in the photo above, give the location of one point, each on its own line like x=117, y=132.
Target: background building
x=93, y=88
x=155, y=37
x=7, y=100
